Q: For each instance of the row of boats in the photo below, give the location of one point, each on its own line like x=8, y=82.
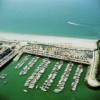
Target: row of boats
x=48, y=82
x=64, y=78
x=76, y=77
x=22, y=62
x=32, y=80
x=29, y=66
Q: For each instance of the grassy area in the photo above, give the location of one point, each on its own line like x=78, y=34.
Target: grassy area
x=12, y=87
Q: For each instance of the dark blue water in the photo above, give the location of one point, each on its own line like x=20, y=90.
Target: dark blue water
x=76, y=18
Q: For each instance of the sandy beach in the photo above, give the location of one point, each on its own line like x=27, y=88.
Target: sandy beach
x=77, y=42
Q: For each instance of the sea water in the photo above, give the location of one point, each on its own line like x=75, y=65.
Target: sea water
x=68, y=18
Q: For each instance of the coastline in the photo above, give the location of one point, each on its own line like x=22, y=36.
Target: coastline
x=77, y=42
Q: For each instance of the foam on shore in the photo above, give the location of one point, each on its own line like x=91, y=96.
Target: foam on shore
x=87, y=43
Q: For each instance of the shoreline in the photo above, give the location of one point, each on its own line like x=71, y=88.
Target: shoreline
x=88, y=43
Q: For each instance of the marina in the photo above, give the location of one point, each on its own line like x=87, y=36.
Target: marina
x=49, y=49
x=50, y=68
